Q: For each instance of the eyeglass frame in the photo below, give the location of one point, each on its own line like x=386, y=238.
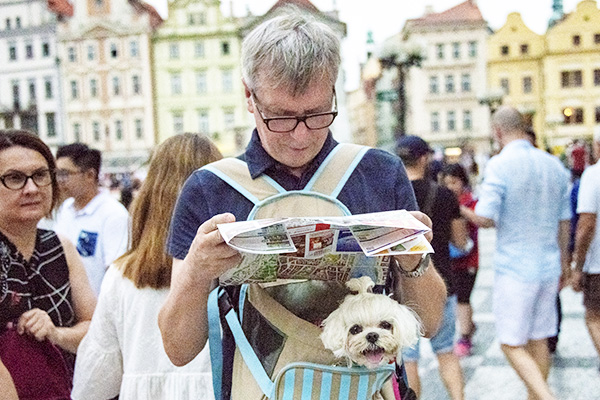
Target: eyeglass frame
x=301, y=118
x=64, y=174
x=50, y=172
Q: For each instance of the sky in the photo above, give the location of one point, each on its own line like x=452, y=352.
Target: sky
x=386, y=17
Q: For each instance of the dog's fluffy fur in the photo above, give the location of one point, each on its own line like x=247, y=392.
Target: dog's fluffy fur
x=369, y=329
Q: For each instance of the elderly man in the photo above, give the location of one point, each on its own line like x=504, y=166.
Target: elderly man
x=290, y=65
x=525, y=195
x=586, y=258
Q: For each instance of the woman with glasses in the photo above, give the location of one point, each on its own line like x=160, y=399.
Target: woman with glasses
x=46, y=302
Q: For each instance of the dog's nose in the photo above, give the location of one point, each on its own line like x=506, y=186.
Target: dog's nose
x=372, y=337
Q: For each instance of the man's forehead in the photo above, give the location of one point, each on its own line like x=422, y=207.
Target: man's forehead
x=283, y=101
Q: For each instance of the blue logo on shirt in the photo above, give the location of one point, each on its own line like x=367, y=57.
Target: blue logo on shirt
x=86, y=243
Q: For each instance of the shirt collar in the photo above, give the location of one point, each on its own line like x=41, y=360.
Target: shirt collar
x=90, y=207
x=259, y=160
x=517, y=143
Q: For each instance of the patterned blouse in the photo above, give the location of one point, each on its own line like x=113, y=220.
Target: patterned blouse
x=40, y=282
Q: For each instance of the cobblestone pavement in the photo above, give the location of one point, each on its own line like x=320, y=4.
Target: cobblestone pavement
x=574, y=375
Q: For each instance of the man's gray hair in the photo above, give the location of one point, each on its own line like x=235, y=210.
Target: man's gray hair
x=290, y=51
x=509, y=119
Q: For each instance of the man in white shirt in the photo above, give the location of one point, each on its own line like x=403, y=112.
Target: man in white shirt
x=91, y=218
x=586, y=257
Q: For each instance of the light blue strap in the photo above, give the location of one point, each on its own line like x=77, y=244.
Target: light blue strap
x=345, y=382
x=307, y=384
x=232, y=183
x=250, y=358
x=349, y=172
x=272, y=182
x=289, y=383
x=319, y=171
x=363, y=387
x=326, y=386
x=243, y=294
x=215, y=340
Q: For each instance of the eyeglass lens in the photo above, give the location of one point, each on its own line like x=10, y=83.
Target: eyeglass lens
x=18, y=180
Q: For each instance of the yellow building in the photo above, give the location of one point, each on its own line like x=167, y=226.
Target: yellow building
x=196, y=66
x=515, y=69
x=572, y=75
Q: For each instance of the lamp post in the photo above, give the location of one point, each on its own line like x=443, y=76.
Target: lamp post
x=492, y=99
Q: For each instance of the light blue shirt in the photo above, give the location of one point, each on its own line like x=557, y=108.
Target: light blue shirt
x=526, y=192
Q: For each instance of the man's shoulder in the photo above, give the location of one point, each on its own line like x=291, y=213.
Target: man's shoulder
x=108, y=205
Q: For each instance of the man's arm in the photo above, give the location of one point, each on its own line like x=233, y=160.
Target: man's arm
x=586, y=228
x=459, y=234
x=564, y=231
x=183, y=319
x=478, y=220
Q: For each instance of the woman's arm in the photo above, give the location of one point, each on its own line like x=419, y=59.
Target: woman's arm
x=8, y=391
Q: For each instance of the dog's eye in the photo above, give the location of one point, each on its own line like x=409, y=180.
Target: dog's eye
x=385, y=325
x=356, y=329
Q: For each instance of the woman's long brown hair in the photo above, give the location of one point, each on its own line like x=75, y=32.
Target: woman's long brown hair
x=146, y=263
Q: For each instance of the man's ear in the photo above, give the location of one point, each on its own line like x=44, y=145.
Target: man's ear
x=248, y=94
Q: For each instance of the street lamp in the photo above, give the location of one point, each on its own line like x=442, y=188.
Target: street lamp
x=492, y=99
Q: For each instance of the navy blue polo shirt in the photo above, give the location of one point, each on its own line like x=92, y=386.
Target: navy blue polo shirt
x=379, y=183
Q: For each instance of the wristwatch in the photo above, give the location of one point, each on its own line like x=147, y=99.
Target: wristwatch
x=419, y=270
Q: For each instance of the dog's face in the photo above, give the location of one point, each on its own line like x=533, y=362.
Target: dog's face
x=370, y=329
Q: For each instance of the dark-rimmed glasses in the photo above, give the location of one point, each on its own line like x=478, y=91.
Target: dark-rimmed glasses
x=288, y=124
x=17, y=180
x=64, y=174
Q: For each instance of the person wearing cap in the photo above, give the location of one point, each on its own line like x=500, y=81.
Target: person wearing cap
x=448, y=227
x=525, y=195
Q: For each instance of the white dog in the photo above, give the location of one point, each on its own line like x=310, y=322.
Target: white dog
x=369, y=329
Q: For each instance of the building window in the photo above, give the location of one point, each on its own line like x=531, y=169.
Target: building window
x=596, y=38
x=227, y=80
x=96, y=130
x=174, y=51
x=573, y=115
x=134, y=50
x=48, y=88
x=576, y=40
x=198, y=18
x=51, y=124
x=524, y=49
x=440, y=51
x=527, y=84
x=467, y=120
x=74, y=90
x=225, y=48
x=456, y=50
x=598, y=115
x=228, y=119
x=137, y=87
x=177, y=123
x=32, y=96
x=435, y=121
x=571, y=78
x=16, y=92
x=91, y=52
x=201, y=87
x=473, y=49
x=93, y=87
x=449, y=84
x=77, y=132
x=119, y=129
x=139, y=128
x=114, y=52
x=18, y=22
x=466, y=82
x=12, y=51
x=45, y=49
x=116, y=86
x=71, y=55
x=504, y=85
x=504, y=50
x=451, y=121
x=203, y=122
x=8, y=24
x=199, y=49
x=176, y=83
x=597, y=77
x=433, y=84
x=29, y=51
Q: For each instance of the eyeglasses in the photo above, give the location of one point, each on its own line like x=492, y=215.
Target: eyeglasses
x=64, y=174
x=288, y=124
x=17, y=180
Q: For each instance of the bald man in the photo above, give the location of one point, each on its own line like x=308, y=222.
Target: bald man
x=525, y=195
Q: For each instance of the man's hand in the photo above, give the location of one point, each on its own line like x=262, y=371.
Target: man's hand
x=409, y=262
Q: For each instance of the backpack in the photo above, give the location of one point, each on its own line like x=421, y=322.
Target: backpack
x=279, y=356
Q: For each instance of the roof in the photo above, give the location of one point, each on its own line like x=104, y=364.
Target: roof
x=61, y=7
x=141, y=6
x=300, y=3
x=466, y=11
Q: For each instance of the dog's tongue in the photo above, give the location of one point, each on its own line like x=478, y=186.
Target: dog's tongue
x=374, y=357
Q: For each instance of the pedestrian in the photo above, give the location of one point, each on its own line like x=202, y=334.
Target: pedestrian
x=442, y=206
x=464, y=264
x=90, y=217
x=525, y=195
x=586, y=258
x=290, y=65
x=122, y=354
x=46, y=302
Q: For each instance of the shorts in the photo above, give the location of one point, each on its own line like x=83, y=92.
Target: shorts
x=591, y=292
x=443, y=341
x=464, y=281
x=524, y=311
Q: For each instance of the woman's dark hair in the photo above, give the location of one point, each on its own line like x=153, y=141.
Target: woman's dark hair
x=21, y=138
x=457, y=171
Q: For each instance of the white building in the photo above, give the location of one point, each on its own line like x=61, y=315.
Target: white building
x=29, y=80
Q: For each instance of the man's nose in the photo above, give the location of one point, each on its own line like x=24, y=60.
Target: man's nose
x=301, y=132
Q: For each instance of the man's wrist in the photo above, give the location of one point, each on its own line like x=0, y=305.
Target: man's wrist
x=418, y=270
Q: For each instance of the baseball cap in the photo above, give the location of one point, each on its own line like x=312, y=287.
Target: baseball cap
x=412, y=147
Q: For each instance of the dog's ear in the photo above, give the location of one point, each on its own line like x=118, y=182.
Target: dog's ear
x=334, y=333
x=407, y=326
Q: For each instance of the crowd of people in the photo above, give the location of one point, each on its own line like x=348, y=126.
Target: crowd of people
x=103, y=301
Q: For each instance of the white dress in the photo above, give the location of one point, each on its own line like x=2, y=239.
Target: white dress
x=122, y=353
